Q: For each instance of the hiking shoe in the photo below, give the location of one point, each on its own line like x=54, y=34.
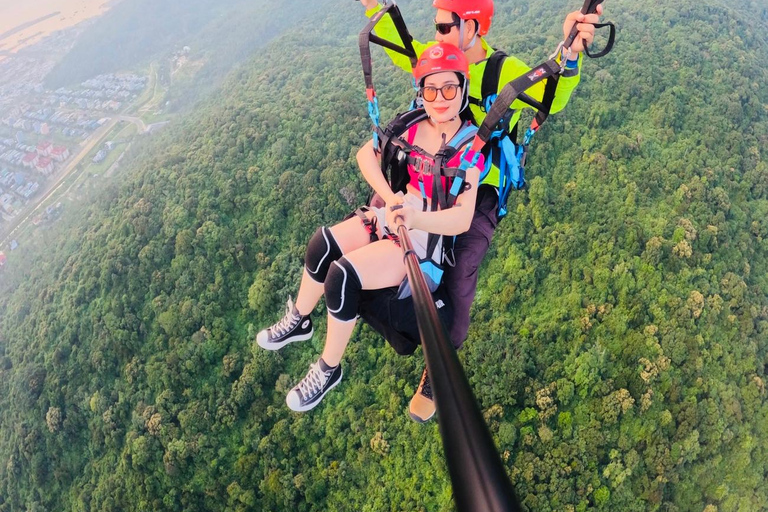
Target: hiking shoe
x=292, y=327
x=310, y=391
x=422, y=406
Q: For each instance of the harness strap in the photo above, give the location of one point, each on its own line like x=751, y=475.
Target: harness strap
x=365, y=39
x=428, y=164
x=391, y=135
x=495, y=132
x=550, y=87
x=491, y=77
x=501, y=109
x=590, y=7
x=370, y=225
x=608, y=45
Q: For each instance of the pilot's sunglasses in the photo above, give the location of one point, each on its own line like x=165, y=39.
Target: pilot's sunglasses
x=448, y=91
x=445, y=28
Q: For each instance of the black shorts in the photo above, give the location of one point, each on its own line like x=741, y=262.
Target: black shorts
x=396, y=319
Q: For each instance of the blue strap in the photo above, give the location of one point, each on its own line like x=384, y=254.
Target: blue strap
x=529, y=133
x=489, y=101
x=423, y=192
x=489, y=161
x=511, y=160
x=462, y=134
x=512, y=172
x=519, y=179
x=458, y=181
x=456, y=186
x=467, y=163
x=373, y=112
x=506, y=171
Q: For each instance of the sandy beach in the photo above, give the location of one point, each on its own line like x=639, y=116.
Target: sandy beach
x=25, y=23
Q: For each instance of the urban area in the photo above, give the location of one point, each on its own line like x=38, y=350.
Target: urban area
x=48, y=134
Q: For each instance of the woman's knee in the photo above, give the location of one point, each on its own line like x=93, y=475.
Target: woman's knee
x=342, y=290
x=322, y=250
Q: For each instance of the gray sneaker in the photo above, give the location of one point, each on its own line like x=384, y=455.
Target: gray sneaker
x=313, y=387
x=292, y=327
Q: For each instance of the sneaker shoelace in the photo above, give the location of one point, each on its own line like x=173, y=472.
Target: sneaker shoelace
x=426, y=387
x=288, y=322
x=314, y=381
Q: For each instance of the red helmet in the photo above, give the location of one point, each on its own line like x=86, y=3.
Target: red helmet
x=480, y=10
x=438, y=58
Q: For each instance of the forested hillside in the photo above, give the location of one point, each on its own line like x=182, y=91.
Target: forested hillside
x=619, y=336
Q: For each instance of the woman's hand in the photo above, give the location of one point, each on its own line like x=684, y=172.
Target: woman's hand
x=393, y=199
x=404, y=212
x=586, y=29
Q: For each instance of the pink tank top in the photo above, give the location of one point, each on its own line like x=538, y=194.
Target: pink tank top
x=414, y=173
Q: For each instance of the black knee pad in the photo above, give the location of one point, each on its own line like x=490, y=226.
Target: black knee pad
x=322, y=250
x=342, y=290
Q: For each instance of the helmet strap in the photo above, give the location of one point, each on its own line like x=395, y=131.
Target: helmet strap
x=465, y=94
x=462, y=29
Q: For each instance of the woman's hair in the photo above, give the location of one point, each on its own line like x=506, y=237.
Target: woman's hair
x=466, y=114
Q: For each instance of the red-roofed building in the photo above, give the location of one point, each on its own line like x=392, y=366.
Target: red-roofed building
x=59, y=153
x=45, y=165
x=2, y=258
x=29, y=160
x=44, y=148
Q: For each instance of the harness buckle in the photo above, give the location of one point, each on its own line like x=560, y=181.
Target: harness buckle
x=449, y=257
x=565, y=55
x=370, y=225
x=425, y=167
x=529, y=133
x=557, y=50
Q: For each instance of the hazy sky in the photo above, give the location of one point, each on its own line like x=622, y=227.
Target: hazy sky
x=14, y=13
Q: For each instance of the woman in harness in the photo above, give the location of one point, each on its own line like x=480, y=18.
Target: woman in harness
x=353, y=256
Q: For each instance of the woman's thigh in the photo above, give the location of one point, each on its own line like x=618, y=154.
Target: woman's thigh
x=379, y=265
x=351, y=234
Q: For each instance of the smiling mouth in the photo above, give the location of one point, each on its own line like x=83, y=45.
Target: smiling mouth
x=441, y=110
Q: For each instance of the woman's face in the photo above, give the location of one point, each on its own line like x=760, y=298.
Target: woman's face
x=435, y=88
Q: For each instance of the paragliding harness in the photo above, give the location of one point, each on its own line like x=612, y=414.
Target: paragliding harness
x=397, y=154
x=502, y=149
x=499, y=139
x=508, y=155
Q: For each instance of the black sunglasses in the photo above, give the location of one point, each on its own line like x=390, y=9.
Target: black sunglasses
x=445, y=28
